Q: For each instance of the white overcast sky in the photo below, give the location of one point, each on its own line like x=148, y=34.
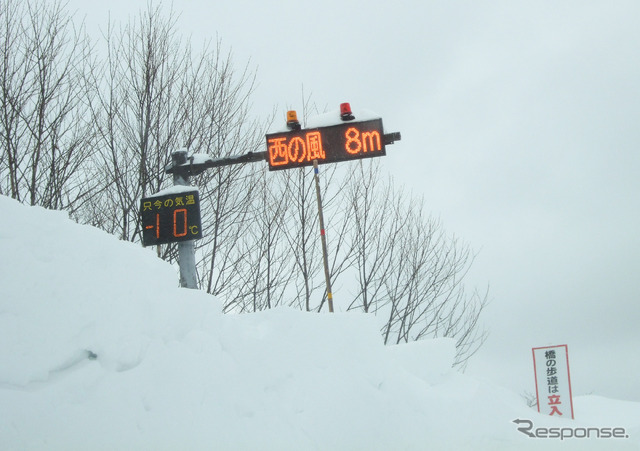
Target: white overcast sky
x=520, y=127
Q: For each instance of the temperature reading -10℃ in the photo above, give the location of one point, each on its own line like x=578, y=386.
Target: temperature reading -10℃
x=170, y=218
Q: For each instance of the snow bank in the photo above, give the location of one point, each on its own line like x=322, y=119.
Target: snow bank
x=101, y=350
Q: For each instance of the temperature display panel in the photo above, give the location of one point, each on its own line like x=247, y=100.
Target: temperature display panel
x=347, y=141
x=170, y=218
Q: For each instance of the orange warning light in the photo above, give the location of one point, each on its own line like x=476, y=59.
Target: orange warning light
x=292, y=120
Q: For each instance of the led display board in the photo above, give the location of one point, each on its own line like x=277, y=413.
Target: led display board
x=341, y=142
x=170, y=218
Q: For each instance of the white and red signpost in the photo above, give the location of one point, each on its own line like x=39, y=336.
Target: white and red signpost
x=553, y=381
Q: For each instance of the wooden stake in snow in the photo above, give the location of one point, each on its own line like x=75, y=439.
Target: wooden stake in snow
x=323, y=237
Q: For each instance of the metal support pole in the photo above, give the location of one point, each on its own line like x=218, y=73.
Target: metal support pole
x=323, y=237
x=186, y=249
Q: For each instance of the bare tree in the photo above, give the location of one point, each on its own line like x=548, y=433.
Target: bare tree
x=156, y=95
x=227, y=195
x=300, y=230
x=265, y=270
x=225, y=128
x=138, y=112
x=375, y=232
x=424, y=290
x=45, y=134
x=16, y=70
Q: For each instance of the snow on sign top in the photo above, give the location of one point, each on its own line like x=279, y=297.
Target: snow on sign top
x=199, y=159
x=333, y=118
x=176, y=189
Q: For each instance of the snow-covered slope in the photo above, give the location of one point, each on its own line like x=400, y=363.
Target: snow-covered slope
x=100, y=350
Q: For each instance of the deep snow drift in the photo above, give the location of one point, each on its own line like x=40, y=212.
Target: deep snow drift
x=101, y=350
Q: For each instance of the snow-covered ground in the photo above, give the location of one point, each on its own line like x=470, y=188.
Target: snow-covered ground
x=100, y=350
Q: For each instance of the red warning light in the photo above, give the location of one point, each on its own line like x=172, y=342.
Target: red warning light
x=345, y=111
